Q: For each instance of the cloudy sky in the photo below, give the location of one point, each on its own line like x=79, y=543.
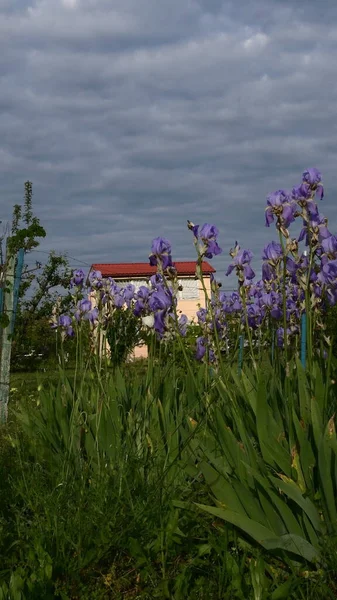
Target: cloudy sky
x=131, y=116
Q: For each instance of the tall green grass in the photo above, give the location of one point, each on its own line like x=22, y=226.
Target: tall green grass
x=164, y=483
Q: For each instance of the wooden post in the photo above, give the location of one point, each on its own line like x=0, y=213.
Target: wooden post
x=6, y=346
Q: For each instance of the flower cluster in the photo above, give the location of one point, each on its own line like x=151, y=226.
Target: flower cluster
x=155, y=304
x=292, y=281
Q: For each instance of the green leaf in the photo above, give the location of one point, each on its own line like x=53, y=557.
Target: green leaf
x=255, y=530
x=285, y=589
x=325, y=476
x=284, y=512
x=294, y=544
x=49, y=570
x=303, y=391
x=258, y=578
x=291, y=489
x=222, y=489
x=306, y=454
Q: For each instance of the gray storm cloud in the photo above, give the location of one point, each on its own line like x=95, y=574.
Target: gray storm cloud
x=132, y=116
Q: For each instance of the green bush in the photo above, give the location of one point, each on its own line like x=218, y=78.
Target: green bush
x=123, y=335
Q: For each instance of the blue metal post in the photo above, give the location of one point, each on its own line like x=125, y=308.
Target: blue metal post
x=303, y=339
x=17, y=280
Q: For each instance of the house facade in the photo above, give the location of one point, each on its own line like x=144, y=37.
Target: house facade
x=189, y=298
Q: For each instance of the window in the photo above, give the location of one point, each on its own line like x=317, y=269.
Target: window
x=190, y=289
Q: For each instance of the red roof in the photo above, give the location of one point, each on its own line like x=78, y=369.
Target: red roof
x=145, y=270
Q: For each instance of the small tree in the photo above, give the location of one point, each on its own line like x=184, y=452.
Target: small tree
x=33, y=333
x=123, y=335
x=25, y=230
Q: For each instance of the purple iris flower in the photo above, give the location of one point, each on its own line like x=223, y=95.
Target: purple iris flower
x=156, y=280
x=236, y=301
x=314, y=178
x=291, y=308
x=268, y=272
x=276, y=312
x=317, y=290
x=272, y=252
x=77, y=278
x=119, y=299
x=233, y=303
x=160, y=300
x=281, y=205
x=93, y=315
x=266, y=299
x=84, y=305
x=328, y=273
x=161, y=253
x=241, y=264
x=332, y=296
x=270, y=301
x=280, y=335
x=139, y=307
x=159, y=321
x=65, y=322
x=129, y=293
x=208, y=234
x=194, y=228
x=202, y=314
x=142, y=296
x=113, y=287
x=211, y=356
x=201, y=348
x=160, y=246
x=182, y=324
x=143, y=292
x=95, y=279
x=318, y=226
x=302, y=193
x=254, y=315
x=291, y=266
x=329, y=245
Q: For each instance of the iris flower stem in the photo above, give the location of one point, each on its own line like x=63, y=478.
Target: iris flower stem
x=160, y=271
x=75, y=400
x=308, y=310
x=208, y=306
x=284, y=296
x=288, y=396
x=249, y=333
x=272, y=345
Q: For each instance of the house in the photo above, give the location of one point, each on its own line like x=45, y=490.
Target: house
x=138, y=274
